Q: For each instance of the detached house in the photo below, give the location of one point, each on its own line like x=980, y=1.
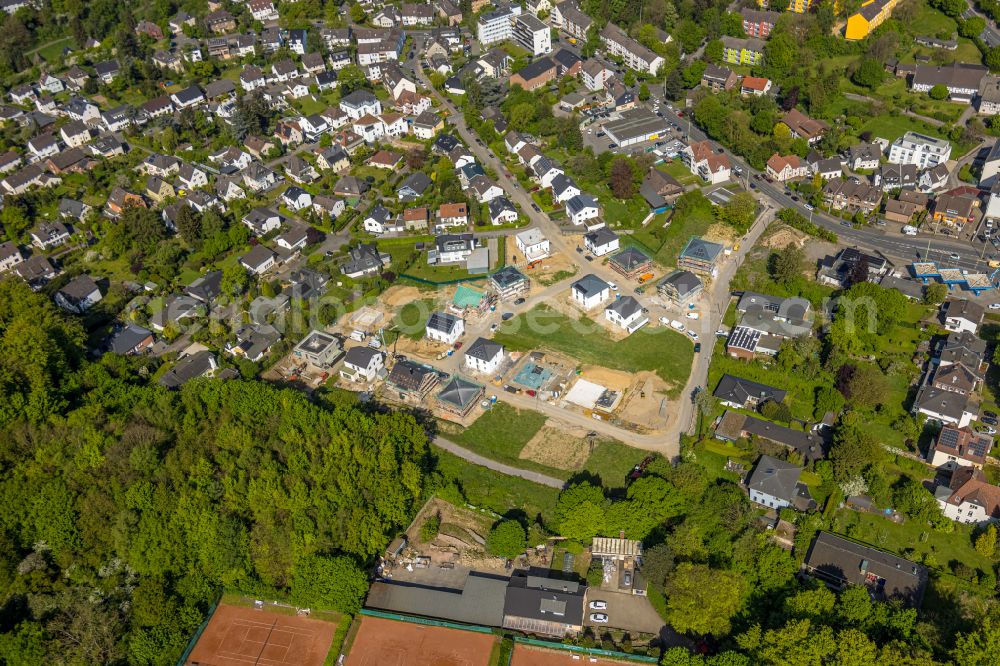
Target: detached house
x=590, y=291
x=484, y=356
x=962, y=316
x=959, y=447
x=444, y=327
x=79, y=295
x=803, y=127
x=703, y=161
x=783, y=168
x=969, y=497
x=362, y=364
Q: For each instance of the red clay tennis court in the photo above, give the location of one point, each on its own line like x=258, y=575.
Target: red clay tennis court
x=532, y=656
x=381, y=642
x=238, y=636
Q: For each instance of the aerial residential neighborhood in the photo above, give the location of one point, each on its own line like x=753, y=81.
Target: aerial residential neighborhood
x=500, y=333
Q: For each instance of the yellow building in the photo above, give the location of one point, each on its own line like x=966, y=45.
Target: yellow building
x=870, y=16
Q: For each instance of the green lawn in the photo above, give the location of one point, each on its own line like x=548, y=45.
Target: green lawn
x=411, y=317
x=52, y=52
x=667, y=241
x=912, y=536
x=683, y=174
x=663, y=351
x=494, y=491
x=891, y=128
x=501, y=434
x=628, y=214
x=308, y=105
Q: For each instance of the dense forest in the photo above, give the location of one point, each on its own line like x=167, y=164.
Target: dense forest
x=127, y=508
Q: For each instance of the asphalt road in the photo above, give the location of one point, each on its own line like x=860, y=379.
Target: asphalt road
x=897, y=246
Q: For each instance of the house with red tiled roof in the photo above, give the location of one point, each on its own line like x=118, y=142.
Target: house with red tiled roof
x=786, y=167
x=969, y=497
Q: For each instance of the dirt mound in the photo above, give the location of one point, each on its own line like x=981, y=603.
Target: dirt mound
x=555, y=446
x=399, y=295
x=612, y=379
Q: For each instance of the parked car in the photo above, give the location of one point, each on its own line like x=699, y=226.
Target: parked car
x=599, y=618
x=694, y=336
x=598, y=605
x=994, y=306
x=697, y=348
x=614, y=287
x=519, y=301
x=692, y=315
x=990, y=414
x=808, y=207
x=954, y=256
x=589, y=258
x=990, y=421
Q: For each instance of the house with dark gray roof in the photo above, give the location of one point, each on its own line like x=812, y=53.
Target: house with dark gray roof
x=484, y=356
x=459, y=396
x=205, y=288
x=775, y=484
x=365, y=259
x=362, y=364
x=839, y=562
x=542, y=605
x=412, y=381
x=199, y=364
x=444, y=327
x=131, y=339
x=680, y=287
x=743, y=393
x=78, y=295
x=590, y=291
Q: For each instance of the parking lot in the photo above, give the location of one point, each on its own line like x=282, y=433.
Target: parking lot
x=625, y=611
x=593, y=135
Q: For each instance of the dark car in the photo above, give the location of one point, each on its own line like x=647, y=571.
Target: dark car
x=990, y=420
x=506, y=315
x=991, y=415
x=589, y=258
x=537, y=209
x=519, y=301
x=697, y=348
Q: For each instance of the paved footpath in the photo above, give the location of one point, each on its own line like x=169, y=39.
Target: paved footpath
x=489, y=463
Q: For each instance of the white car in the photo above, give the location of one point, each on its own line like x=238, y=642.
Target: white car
x=694, y=336
x=677, y=325
x=692, y=315
x=598, y=605
x=665, y=321
x=599, y=618
x=994, y=306
x=809, y=207
x=613, y=286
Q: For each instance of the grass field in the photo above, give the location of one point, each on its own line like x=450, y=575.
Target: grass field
x=668, y=241
x=501, y=433
x=660, y=350
x=411, y=317
x=495, y=491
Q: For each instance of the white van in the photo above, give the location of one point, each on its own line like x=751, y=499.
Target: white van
x=910, y=230
x=358, y=335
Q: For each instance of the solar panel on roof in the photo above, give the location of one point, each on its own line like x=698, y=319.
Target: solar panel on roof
x=949, y=437
x=980, y=446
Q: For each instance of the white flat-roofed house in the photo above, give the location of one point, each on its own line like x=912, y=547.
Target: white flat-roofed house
x=484, y=356
x=590, y=291
x=532, y=244
x=920, y=150
x=444, y=327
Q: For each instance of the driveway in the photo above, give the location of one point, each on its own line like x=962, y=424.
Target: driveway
x=625, y=611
